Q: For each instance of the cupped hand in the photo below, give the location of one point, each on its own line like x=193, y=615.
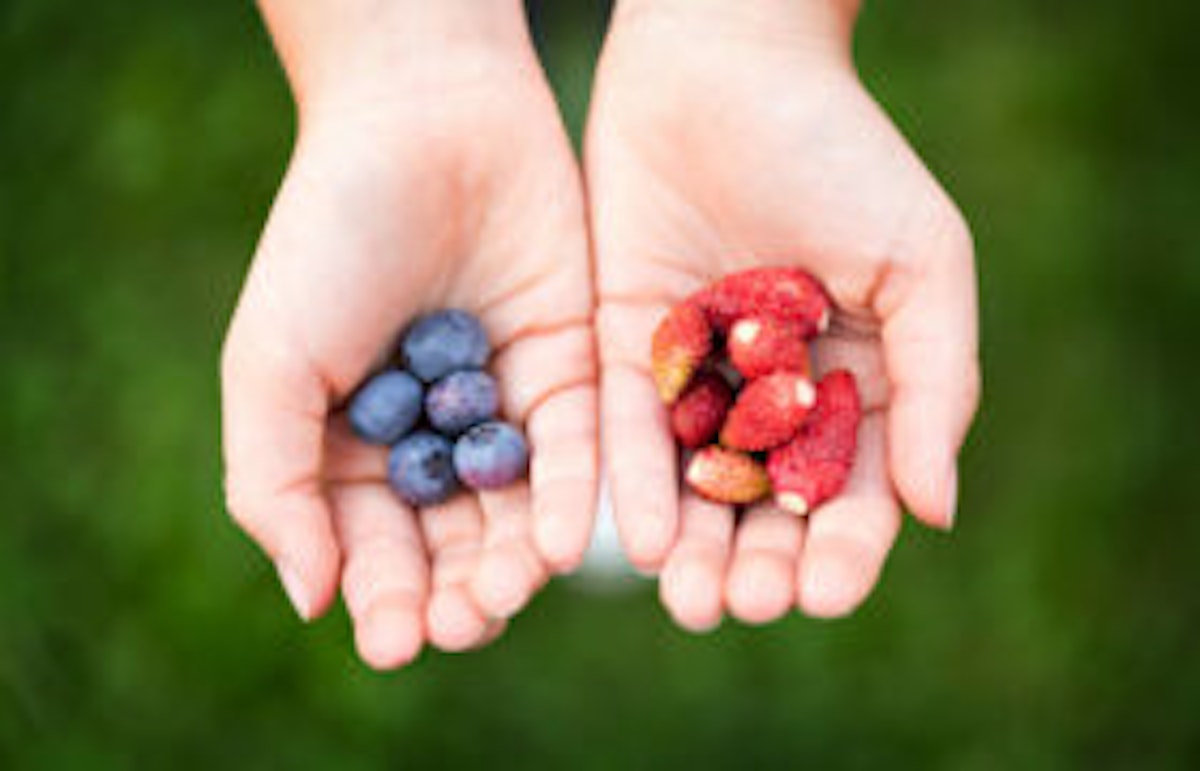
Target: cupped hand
x=725, y=136
x=450, y=184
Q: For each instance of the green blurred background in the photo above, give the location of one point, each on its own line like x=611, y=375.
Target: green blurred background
x=140, y=143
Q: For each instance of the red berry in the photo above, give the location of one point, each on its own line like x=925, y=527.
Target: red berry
x=727, y=476
x=784, y=294
x=698, y=414
x=760, y=346
x=681, y=342
x=813, y=467
x=768, y=412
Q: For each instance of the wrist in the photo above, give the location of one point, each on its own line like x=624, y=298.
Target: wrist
x=820, y=27
x=335, y=51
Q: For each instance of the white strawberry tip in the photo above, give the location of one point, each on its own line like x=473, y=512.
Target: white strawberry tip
x=745, y=331
x=793, y=502
x=695, y=473
x=806, y=393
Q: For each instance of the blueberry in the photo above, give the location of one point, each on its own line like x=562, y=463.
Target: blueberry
x=443, y=342
x=421, y=468
x=460, y=400
x=386, y=407
x=490, y=455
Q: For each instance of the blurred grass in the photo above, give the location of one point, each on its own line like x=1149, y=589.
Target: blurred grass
x=140, y=144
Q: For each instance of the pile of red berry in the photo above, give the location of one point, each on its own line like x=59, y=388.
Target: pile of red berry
x=732, y=363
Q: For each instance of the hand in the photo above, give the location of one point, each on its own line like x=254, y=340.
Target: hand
x=440, y=178
x=728, y=135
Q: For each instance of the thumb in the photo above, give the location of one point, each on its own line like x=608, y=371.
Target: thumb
x=930, y=339
x=274, y=421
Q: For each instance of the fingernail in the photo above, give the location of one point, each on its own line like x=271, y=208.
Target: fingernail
x=296, y=592
x=952, y=496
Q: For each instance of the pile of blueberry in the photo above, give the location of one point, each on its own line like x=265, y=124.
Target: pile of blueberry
x=437, y=410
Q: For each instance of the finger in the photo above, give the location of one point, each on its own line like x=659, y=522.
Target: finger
x=642, y=463
x=549, y=381
x=638, y=448
x=694, y=575
x=848, y=538
x=510, y=568
x=454, y=536
x=273, y=412
x=385, y=580
x=563, y=475
x=761, y=586
x=930, y=349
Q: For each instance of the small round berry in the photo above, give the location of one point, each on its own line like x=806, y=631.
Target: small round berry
x=421, y=468
x=443, y=342
x=386, y=407
x=461, y=400
x=491, y=455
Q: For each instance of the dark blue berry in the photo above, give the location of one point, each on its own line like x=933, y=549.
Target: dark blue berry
x=421, y=468
x=460, y=400
x=386, y=407
x=444, y=342
x=490, y=455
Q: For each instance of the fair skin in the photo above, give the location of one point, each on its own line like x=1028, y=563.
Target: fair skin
x=728, y=135
x=430, y=170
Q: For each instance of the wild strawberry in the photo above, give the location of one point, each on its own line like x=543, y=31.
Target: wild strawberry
x=681, y=342
x=727, y=476
x=785, y=294
x=760, y=346
x=813, y=467
x=698, y=414
x=768, y=412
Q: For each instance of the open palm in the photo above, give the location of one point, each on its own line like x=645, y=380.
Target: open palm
x=453, y=192
x=706, y=159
